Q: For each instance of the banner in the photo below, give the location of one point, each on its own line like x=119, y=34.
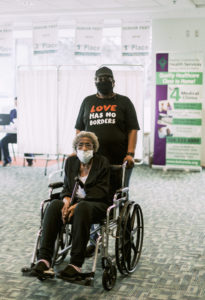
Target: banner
x=45, y=38
x=6, y=39
x=136, y=38
x=88, y=39
x=178, y=118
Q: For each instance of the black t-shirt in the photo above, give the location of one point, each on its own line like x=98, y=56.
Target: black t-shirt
x=110, y=119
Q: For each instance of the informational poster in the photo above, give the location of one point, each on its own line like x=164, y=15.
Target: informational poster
x=178, y=118
x=45, y=37
x=88, y=39
x=136, y=38
x=6, y=39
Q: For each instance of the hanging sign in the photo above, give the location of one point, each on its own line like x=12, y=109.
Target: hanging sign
x=136, y=38
x=178, y=118
x=45, y=38
x=88, y=39
x=6, y=39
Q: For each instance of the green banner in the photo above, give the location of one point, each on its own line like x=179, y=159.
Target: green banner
x=179, y=78
x=179, y=98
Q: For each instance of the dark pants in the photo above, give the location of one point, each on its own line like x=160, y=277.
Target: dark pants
x=29, y=160
x=85, y=214
x=10, y=138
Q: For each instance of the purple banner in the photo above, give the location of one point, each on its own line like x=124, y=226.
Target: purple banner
x=162, y=62
x=159, y=157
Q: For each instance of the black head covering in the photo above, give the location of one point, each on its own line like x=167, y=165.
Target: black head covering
x=104, y=71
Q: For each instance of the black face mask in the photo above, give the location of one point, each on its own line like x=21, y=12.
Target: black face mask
x=104, y=87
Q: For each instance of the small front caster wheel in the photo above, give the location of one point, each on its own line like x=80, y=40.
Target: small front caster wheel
x=109, y=277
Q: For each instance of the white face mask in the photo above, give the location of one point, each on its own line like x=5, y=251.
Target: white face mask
x=85, y=156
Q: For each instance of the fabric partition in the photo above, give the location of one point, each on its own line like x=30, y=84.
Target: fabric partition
x=130, y=84
x=74, y=86
x=37, y=106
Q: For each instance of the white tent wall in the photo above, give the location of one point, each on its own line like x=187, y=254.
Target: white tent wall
x=74, y=86
x=50, y=101
x=131, y=84
x=179, y=35
x=37, y=107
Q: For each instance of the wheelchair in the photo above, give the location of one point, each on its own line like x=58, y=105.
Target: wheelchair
x=123, y=224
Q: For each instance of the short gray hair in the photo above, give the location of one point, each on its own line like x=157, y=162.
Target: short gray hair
x=88, y=134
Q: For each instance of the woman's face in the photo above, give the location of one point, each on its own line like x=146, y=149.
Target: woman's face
x=85, y=144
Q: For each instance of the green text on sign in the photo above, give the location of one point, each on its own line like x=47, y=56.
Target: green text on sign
x=183, y=105
x=179, y=78
x=194, y=122
x=181, y=162
x=183, y=140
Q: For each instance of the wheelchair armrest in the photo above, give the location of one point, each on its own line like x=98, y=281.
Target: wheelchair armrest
x=55, y=185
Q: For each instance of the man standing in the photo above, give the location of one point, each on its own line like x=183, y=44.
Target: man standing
x=112, y=117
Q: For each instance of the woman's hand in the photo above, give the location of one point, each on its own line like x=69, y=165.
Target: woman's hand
x=64, y=210
x=71, y=211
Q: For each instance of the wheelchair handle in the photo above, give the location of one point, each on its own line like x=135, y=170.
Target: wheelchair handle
x=118, y=167
x=55, y=185
x=124, y=165
x=78, y=183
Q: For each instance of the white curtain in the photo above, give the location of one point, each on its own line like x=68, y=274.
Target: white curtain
x=37, y=107
x=130, y=84
x=74, y=86
x=49, y=102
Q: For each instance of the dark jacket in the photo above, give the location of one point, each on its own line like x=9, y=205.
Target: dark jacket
x=97, y=183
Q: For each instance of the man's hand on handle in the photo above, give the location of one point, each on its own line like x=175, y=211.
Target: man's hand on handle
x=130, y=161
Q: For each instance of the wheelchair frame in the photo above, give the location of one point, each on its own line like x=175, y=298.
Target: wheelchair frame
x=124, y=223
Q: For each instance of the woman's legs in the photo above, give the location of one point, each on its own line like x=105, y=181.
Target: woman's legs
x=52, y=224
x=85, y=214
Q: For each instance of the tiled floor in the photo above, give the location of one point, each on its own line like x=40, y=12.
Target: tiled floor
x=172, y=265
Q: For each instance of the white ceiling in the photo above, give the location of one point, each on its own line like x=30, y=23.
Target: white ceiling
x=28, y=10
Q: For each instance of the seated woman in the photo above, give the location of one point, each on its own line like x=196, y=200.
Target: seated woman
x=90, y=206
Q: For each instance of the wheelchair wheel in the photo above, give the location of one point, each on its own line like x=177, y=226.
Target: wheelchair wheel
x=63, y=241
x=132, y=237
x=109, y=277
x=119, y=240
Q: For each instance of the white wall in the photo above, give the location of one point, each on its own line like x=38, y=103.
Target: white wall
x=178, y=35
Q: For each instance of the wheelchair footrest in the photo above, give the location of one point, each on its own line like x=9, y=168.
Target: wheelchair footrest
x=31, y=273
x=86, y=279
